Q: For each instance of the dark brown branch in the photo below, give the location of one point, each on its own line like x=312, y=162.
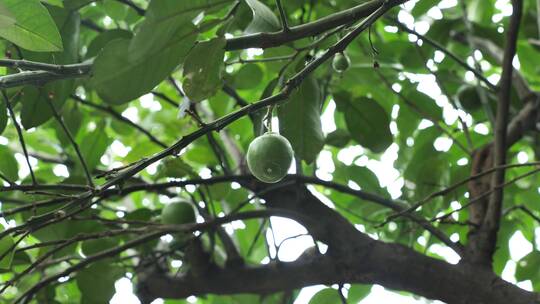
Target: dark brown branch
x=267, y=40
x=260, y=40
x=493, y=214
x=352, y=257
x=40, y=77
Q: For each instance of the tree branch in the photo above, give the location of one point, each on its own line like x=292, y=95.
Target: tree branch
x=73, y=143
x=165, y=229
x=282, y=16
x=352, y=257
x=267, y=40
x=439, y=47
x=41, y=73
x=219, y=124
x=493, y=214
x=20, y=135
x=119, y=117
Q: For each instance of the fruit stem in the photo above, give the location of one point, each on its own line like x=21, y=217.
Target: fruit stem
x=268, y=118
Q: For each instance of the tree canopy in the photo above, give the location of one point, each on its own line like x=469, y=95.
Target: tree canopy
x=413, y=125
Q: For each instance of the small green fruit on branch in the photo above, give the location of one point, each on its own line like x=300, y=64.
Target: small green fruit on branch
x=178, y=213
x=269, y=157
x=341, y=62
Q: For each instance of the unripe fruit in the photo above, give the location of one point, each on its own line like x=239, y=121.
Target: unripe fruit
x=469, y=98
x=341, y=62
x=269, y=157
x=177, y=213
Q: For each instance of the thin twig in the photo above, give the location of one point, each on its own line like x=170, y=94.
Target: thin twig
x=28, y=294
x=130, y=3
x=423, y=114
x=483, y=195
x=446, y=52
x=524, y=209
x=454, y=186
x=282, y=16
x=20, y=135
x=119, y=117
x=73, y=143
x=450, y=99
x=217, y=125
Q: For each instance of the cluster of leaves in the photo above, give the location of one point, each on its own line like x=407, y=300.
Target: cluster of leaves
x=160, y=69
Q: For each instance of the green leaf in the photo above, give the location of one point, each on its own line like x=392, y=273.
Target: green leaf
x=6, y=244
x=423, y=7
x=423, y=105
x=119, y=80
x=58, y=3
x=116, y=10
x=326, y=296
x=367, y=121
x=34, y=28
x=338, y=138
x=163, y=19
x=358, y=292
x=300, y=120
x=175, y=168
x=6, y=17
x=141, y=214
x=527, y=267
x=36, y=109
x=365, y=178
x=91, y=247
x=202, y=69
x=248, y=77
x=96, y=282
x=93, y=146
x=72, y=118
x=104, y=38
x=76, y=4
x=264, y=20
x=8, y=164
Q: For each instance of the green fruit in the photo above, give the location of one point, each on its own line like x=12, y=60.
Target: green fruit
x=269, y=157
x=341, y=62
x=468, y=98
x=178, y=213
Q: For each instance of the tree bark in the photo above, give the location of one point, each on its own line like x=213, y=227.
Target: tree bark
x=352, y=257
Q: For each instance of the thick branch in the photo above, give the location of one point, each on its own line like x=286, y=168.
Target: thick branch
x=352, y=257
x=486, y=213
x=390, y=265
x=267, y=40
x=493, y=214
x=41, y=77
